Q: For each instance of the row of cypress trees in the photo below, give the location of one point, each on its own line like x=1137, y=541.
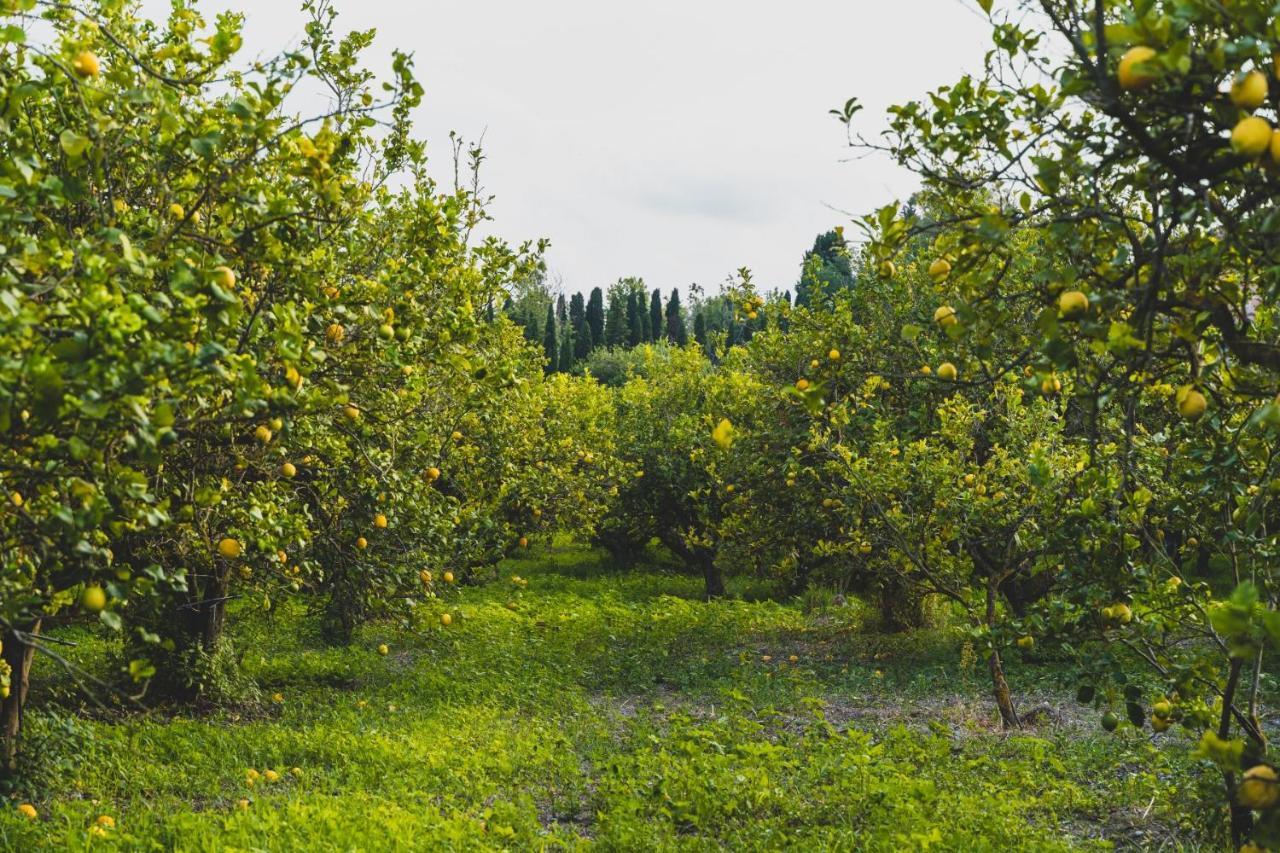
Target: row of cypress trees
x=627, y=314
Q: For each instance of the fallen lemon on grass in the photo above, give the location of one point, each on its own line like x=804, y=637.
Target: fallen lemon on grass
x=28, y=811
x=448, y=577
x=382, y=649
x=446, y=619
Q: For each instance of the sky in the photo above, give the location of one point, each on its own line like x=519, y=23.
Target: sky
x=674, y=140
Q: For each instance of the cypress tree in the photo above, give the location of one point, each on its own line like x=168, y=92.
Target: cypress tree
x=700, y=329
x=582, y=343
x=562, y=312
x=577, y=310
x=566, y=349
x=595, y=317
x=646, y=328
x=655, y=315
x=635, y=325
x=676, y=331
x=615, y=323
x=550, y=343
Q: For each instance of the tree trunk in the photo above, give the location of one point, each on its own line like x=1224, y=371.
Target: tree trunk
x=900, y=604
x=700, y=558
x=213, y=613
x=711, y=575
x=1241, y=816
x=999, y=686
x=19, y=656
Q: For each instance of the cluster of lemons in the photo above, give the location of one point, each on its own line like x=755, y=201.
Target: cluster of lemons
x=1252, y=137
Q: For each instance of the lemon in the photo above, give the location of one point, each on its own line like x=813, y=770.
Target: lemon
x=1249, y=90
x=1258, y=788
x=229, y=548
x=947, y=371
x=224, y=277
x=1131, y=76
x=1251, y=137
x=93, y=599
x=1191, y=403
x=1073, y=303
x=86, y=64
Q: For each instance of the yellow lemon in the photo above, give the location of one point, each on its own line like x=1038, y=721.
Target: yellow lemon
x=945, y=316
x=940, y=269
x=1249, y=90
x=1258, y=788
x=1191, y=403
x=947, y=371
x=86, y=64
x=229, y=548
x=1251, y=137
x=93, y=599
x=224, y=277
x=1131, y=74
x=1073, y=303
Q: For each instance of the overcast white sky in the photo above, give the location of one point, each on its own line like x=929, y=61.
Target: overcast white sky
x=675, y=140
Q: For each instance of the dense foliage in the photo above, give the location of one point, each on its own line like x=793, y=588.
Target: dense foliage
x=254, y=361
x=241, y=358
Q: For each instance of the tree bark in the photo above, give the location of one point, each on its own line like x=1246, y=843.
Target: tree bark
x=699, y=558
x=1241, y=816
x=999, y=686
x=19, y=656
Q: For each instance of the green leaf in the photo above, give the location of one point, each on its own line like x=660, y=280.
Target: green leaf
x=73, y=143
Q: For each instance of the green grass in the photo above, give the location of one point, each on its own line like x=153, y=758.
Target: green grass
x=609, y=710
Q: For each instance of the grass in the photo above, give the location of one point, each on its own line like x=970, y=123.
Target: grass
x=600, y=709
